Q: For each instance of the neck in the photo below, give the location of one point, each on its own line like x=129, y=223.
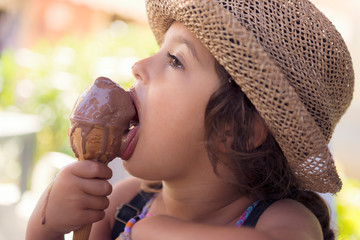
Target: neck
x=212, y=202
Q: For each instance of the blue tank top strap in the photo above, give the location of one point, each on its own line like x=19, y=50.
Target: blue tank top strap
x=246, y=214
x=256, y=212
x=129, y=210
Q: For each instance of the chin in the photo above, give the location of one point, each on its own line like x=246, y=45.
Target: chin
x=141, y=171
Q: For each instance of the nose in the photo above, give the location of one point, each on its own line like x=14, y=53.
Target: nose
x=139, y=71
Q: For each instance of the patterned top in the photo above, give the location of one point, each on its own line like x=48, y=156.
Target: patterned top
x=127, y=231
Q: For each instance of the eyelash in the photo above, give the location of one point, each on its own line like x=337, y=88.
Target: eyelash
x=175, y=62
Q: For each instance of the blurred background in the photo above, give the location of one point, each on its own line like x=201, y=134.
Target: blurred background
x=51, y=50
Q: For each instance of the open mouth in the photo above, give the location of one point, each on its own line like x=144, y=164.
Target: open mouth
x=129, y=139
x=134, y=122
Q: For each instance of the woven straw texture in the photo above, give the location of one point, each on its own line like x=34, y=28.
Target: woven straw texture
x=288, y=59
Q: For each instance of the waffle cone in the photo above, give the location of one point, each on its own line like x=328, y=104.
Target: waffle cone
x=91, y=146
x=94, y=145
x=83, y=233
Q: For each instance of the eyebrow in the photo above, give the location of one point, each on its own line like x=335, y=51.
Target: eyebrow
x=181, y=40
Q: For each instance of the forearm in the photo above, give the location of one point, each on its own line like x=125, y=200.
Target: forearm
x=164, y=228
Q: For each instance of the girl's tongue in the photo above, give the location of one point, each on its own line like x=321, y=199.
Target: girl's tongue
x=129, y=143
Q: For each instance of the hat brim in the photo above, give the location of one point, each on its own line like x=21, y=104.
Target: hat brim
x=259, y=77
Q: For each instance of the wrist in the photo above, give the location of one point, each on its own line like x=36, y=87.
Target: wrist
x=37, y=230
x=42, y=233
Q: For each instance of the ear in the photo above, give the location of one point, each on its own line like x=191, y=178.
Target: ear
x=226, y=143
x=257, y=137
x=259, y=133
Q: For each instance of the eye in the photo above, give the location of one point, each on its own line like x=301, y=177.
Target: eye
x=174, y=61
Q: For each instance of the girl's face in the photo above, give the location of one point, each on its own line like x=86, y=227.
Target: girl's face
x=171, y=92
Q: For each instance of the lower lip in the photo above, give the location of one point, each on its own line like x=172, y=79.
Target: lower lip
x=129, y=144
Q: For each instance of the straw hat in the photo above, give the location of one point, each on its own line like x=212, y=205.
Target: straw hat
x=288, y=59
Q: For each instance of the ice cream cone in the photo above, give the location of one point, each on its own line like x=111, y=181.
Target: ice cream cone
x=83, y=233
x=100, y=118
x=93, y=145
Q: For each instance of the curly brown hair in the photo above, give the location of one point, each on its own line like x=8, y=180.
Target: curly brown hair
x=260, y=171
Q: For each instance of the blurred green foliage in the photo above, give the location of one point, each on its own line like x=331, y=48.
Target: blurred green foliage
x=348, y=210
x=47, y=79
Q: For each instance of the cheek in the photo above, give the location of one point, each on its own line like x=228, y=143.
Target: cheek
x=173, y=126
x=175, y=114
x=172, y=131
x=170, y=140
x=174, y=107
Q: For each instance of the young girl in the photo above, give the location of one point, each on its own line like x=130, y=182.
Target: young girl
x=235, y=112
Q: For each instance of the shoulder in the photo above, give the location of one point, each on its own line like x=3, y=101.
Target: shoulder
x=289, y=219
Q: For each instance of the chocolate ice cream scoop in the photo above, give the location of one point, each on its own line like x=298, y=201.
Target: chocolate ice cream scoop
x=100, y=117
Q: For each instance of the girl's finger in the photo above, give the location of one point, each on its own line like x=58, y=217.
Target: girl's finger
x=96, y=187
x=96, y=203
x=89, y=216
x=91, y=169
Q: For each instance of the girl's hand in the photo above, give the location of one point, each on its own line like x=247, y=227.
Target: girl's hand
x=78, y=197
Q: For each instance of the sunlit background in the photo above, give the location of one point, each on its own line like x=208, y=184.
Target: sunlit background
x=51, y=50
